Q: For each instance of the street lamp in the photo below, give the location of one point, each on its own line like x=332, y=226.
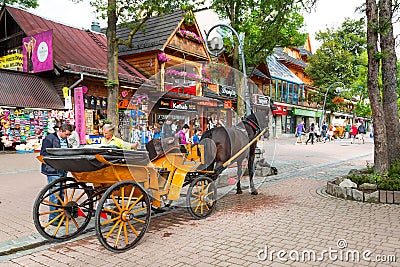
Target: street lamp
x=217, y=45
x=323, y=107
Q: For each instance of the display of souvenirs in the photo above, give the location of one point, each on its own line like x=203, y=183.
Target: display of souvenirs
x=23, y=125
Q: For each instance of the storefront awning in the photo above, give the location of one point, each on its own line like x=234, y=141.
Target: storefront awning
x=28, y=91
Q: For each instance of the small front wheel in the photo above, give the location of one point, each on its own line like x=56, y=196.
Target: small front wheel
x=201, y=198
x=122, y=216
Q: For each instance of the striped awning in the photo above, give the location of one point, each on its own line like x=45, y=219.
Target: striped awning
x=27, y=90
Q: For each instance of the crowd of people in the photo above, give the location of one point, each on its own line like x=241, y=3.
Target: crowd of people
x=355, y=132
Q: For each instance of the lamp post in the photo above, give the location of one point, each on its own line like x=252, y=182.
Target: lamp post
x=323, y=107
x=216, y=42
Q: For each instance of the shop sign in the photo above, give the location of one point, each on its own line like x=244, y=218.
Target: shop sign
x=11, y=62
x=208, y=103
x=177, y=105
x=229, y=91
x=126, y=104
x=37, y=51
x=227, y=104
x=280, y=110
x=80, y=114
x=304, y=112
x=68, y=102
x=261, y=100
x=94, y=139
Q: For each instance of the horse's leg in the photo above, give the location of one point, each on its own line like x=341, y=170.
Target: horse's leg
x=239, y=175
x=251, y=167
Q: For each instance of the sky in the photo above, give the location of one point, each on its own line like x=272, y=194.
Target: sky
x=328, y=13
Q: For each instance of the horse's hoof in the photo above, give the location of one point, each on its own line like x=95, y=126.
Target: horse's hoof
x=239, y=191
x=255, y=192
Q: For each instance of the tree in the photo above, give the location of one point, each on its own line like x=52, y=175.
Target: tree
x=267, y=24
x=381, y=157
x=389, y=79
x=340, y=58
x=130, y=14
x=21, y=3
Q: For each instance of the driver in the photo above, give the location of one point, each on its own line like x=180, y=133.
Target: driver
x=111, y=140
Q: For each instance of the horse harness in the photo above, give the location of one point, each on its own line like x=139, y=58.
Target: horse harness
x=254, y=125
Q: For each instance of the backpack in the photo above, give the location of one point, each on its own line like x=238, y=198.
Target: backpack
x=361, y=129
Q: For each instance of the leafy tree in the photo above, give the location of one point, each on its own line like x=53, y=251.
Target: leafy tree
x=131, y=14
x=21, y=3
x=340, y=59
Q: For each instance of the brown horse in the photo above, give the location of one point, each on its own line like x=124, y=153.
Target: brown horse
x=221, y=143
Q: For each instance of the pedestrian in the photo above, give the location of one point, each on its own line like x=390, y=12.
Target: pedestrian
x=299, y=131
x=167, y=128
x=311, y=133
x=362, y=132
x=145, y=135
x=135, y=135
x=157, y=131
x=324, y=131
x=110, y=140
x=73, y=139
x=197, y=136
x=331, y=130
x=353, y=133
x=58, y=139
x=182, y=135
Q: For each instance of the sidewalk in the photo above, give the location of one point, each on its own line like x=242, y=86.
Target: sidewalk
x=291, y=212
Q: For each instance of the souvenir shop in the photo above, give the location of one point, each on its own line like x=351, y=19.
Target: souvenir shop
x=23, y=129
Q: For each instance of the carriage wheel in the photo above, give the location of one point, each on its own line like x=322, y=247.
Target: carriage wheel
x=201, y=198
x=62, y=209
x=122, y=216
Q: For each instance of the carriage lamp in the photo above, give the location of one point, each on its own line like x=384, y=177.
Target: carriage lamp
x=217, y=47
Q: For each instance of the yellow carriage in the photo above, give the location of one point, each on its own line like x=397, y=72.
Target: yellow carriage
x=119, y=188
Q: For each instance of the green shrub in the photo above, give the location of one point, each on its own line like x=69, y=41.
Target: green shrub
x=390, y=183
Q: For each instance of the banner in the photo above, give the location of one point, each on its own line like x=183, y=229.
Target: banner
x=37, y=51
x=80, y=114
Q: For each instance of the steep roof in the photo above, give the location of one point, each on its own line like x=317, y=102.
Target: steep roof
x=72, y=46
x=156, y=33
x=28, y=91
x=282, y=56
x=280, y=71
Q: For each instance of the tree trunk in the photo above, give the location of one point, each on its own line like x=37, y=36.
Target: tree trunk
x=112, y=64
x=380, y=138
x=389, y=79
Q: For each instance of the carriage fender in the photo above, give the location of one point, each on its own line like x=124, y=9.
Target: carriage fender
x=176, y=184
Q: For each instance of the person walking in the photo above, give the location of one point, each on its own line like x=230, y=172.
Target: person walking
x=58, y=139
x=167, y=128
x=353, y=133
x=324, y=131
x=73, y=139
x=197, y=136
x=182, y=135
x=299, y=131
x=362, y=132
x=311, y=133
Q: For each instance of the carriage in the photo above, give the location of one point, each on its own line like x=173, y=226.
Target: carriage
x=120, y=188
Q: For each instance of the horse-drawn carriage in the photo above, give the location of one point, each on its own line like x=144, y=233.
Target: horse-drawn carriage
x=120, y=188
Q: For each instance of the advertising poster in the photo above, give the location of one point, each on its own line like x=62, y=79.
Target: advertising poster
x=37, y=51
x=80, y=114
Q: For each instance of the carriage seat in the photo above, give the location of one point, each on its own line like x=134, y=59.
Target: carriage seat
x=84, y=160
x=158, y=147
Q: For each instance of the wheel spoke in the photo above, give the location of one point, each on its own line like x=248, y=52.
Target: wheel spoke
x=134, y=203
x=118, y=234
x=109, y=221
x=134, y=211
x=133, y=228
x=115, y=202
x=130, y=197
x=112, y=229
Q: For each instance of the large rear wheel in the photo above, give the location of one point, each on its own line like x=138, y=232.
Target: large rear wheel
x=201, y=198
x=122, y=216
x=62, y=209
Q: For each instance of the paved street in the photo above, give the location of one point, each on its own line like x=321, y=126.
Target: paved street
x=292, y=222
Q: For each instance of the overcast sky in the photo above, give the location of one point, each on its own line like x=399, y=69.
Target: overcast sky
x=329, y=13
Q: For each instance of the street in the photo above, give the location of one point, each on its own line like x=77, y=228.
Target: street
x=292, y=222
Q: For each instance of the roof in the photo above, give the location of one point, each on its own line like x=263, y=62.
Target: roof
x=28, y=91
x=282, y=56
x=280, y=71
x=156, y=32
x=71, y=46
x=304, y=51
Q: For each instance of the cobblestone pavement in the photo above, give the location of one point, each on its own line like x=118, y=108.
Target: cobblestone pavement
x=292, y=214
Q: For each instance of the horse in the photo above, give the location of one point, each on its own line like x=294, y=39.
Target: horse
x=221, y=143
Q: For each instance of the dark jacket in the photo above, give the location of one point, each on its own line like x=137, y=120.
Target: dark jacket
x=51, y=141
x=167, y=131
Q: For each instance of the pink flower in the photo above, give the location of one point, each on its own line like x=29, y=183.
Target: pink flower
x=189, y=35
x=162, y=57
